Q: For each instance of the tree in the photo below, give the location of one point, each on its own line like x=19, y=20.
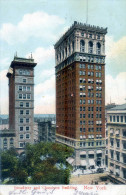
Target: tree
x=41, y=163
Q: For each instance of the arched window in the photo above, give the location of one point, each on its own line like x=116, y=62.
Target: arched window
x=69, y=49
x=73, y=46
x=63, y=54
x=90, y=47
x=82, y=46
x=98, y=48
x=11, y=141
x=66, y=51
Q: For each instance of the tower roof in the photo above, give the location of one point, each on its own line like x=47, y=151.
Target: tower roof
x=23, y=62
x=81, y=26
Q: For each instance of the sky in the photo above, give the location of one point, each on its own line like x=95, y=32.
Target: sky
x=35, y=25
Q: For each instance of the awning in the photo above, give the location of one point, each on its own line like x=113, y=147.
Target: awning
x=70, y=160
x=91, y=152
x=99, y=151
x=82, y=152
x=83, y=163
x=91, y=162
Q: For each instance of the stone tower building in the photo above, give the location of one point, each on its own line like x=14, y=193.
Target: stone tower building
x=21, y=100
x=80, y=93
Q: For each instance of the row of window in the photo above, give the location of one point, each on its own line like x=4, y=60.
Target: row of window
x=23, y=104
x=97, y=74
x=90, y=81
x=25, y=96
x=68, y=50
x=24, y=72
x=90, y=108
x=89, y=122
x=97, y=67
x=27, y=112
x=22, y=136
x=90, y=35
x=83, y=88
x=11, y=141
x=118, y=119
x=98, y=129
x=90, y=101
x=23, y=120
x=21, y=128
x=24, y=88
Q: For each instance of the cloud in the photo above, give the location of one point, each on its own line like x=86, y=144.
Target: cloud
x=45, y=96
x=38, y=24
x=116, y=49
x=115, y=55
x=116, y=88
x=4, y=92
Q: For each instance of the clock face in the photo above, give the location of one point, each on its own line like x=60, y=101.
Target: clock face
x=24, y=72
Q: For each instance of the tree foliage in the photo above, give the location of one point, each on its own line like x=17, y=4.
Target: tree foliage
x=41, y=163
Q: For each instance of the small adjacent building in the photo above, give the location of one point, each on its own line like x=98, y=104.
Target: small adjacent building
x=116, y=143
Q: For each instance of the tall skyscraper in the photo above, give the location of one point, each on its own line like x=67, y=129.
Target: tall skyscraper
x=21, y=100
x=80, y=93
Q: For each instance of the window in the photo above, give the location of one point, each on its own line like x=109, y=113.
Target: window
x=112, y=142
x=27, y=136
x=84, y=115
x=28, y=96
x=21, y=120
x=80, y=115
x=27, y=128
x=21, y=145
x=24, y=80
x=117, y=118
x=110, y=118
x=5, y=142
x=20, y=88
x=124, y=132
x=27, y=104
x=24, y=96
x=21, y=111
x=125, y=119
x=113, y=118
x=24, y=88
x=112, y=154
x=21, y=128
x=11, y=141
x=28, y=89
x=117, y=143
x=80, y=108
x=90, y=47
x=98, y=48
x=83, y=108
x=98, y=36
x=27, y=120
x=27, y=111
x=21, y=104
x=117, y=156
x=82, y=46
x=21, y=136
x=121, y=119
x=20, y=96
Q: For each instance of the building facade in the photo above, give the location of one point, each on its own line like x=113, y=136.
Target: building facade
x=46, y=131
x=116, y=143
x=80, y=93
x=21, y=100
